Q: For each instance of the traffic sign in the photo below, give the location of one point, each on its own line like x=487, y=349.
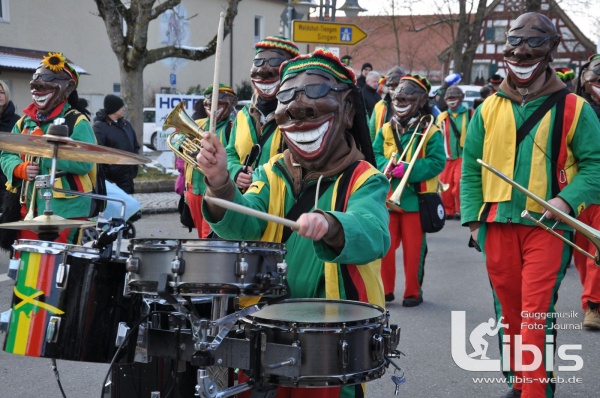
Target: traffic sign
x=326, y=33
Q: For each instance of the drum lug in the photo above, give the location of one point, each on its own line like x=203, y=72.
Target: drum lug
x=52, y=329
x=178, y=266
x=62, y=274
x=133, y=265
x=5, y=320
x=121, y=334
x=141, y=349
x=13, y=268
x=344, y=354
x=241, y=268
x=377, y=347
x=282, y=268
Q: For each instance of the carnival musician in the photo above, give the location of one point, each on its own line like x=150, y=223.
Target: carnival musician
x=410, y=102
x=453, y=123
x=557, y=157
x=54, y=93
x=589, y=273
x=194, y=179
x=322, y=120
x=255, y=123
x=383, y=111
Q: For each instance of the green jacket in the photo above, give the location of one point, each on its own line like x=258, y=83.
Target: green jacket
x=486, y=198
x=77, y=179
x=427, y=167
x=364, y=222
x=194, y=176
x=247, y=132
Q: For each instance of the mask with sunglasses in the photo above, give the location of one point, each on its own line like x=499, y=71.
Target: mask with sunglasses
x=312, y=91
x=590, y=80
x=273, y=62
x=532, y=42
x=48, y=90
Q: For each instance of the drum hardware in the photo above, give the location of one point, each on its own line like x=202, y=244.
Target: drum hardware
x=5, y=320
x=52, y=329
x=62, y=274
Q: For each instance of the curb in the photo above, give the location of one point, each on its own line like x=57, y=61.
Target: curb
x=159, y=210
x=154, y=186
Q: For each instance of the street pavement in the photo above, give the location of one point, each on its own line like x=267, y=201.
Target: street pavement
x=455, y=280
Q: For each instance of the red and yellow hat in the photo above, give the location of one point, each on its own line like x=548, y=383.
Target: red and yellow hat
x=277, y=42
x=321, y=59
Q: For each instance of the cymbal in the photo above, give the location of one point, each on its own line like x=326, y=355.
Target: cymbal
x=51, y=223
x=68, y=149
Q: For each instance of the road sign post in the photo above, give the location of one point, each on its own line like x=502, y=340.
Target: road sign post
x=326, y=33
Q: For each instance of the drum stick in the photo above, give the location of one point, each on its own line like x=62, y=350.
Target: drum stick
x=251, y=212
x=215, y=94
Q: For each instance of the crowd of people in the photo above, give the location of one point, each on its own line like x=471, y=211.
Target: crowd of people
x=352, y=160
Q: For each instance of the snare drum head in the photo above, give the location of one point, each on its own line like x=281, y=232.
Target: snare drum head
x=146, y=245
x=44, y=247
x=318, y=311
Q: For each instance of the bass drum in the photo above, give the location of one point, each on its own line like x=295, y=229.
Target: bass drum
x=68, y=304
x=341, y=341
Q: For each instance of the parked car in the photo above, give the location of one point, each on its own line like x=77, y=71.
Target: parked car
x=150, y=130
x=471, y=92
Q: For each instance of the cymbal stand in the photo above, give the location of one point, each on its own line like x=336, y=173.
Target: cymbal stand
x=115, y=226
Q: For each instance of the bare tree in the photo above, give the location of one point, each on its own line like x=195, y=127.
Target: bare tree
x=465, y=25
x=130, y=45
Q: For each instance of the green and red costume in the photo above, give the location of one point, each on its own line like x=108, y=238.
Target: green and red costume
x=405, y=224
x=526, y=265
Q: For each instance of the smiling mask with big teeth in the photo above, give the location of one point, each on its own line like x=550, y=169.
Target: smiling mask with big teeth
x=308, y=141
x=527, y=64
x=48, y=95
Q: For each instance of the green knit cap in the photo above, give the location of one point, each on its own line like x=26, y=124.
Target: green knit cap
x=565, y=74
x=223, y=88
x=277, y=42
x=321, y=59
x=420, y=80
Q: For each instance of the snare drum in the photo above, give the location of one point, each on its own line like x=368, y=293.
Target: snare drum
x=206, y=266
x=67, y=303
x=340, y=341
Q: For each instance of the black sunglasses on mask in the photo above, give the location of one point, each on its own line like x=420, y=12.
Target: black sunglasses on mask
x=47, y=77
x=258, y=62
x=312, y=91
x=532, y=42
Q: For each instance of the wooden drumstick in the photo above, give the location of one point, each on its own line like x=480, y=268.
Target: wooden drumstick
x=252, y=212
x=215, y=95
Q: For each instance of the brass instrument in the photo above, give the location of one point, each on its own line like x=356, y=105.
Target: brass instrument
x=591, y=234
x=388, y=166
x=394, y=200
x=185, y=141
x=25, y=190
x=442, y=187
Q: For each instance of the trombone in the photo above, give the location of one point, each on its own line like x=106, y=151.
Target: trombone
x=591, y=234
x=393, y=202
x=185, y=142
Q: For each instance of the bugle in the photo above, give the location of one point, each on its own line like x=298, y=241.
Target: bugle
x=185, y=141
x=393, y=202
x=591, y=234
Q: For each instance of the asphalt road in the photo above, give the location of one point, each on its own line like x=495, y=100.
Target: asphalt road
x=455, y=280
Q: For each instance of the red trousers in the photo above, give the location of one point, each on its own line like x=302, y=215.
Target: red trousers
x=526, y=266
x=589, y=272
x=405, y=228
x=451, y=176
x=195, y=203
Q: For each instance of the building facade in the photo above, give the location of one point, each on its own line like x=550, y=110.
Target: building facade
x=30, y=29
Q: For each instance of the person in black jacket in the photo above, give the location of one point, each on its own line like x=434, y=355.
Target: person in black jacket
x=8, y=117
x=369, y=92
x=113, y=130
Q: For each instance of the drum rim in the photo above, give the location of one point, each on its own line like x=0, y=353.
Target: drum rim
x=56, y=248
x=278, y=323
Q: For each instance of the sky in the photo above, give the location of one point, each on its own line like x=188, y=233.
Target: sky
x=584, y=17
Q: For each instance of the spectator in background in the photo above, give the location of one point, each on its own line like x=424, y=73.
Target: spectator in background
x=362, y=79
x=369, y=92
x=566, y=75
x=494, y=82
x=114, y=131
x=484, y=92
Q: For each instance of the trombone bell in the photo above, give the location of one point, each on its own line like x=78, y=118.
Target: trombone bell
x=182, y=122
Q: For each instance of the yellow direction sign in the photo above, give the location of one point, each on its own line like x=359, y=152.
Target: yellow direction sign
x=326, y=33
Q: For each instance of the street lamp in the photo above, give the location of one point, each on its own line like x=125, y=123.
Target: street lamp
x=351, y=8
x=303, y=6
